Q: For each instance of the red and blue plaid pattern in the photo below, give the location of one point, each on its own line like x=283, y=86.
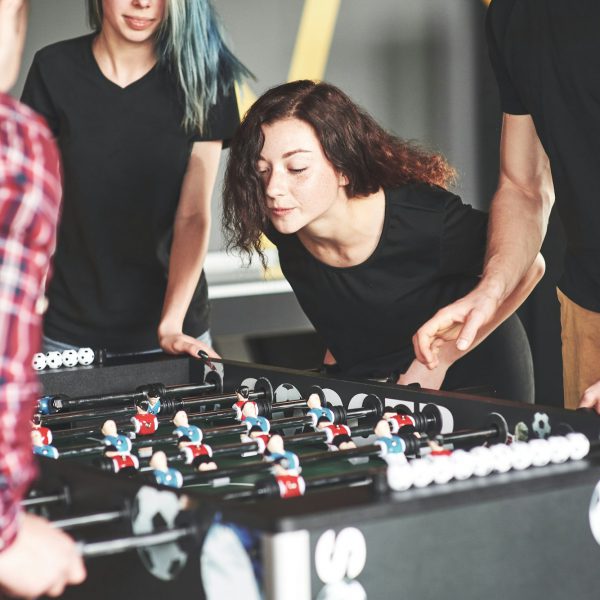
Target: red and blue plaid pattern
x=30, y=193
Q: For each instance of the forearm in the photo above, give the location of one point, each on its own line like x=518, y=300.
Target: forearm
x=188, y=252
x=520, y=208
x=17, y=467
x=191, y=230
x=516, y=230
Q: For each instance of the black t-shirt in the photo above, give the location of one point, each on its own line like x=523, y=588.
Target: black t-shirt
x=124, y=155
x=546, y=56
x=430, y=253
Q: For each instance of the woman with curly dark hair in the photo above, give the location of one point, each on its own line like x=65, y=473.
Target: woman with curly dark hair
x=369, y=238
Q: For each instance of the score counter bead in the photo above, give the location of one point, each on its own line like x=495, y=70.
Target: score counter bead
x=560, y=450
x=521, y=455
x=400, y=477
x=422, y=472
x=463, y=464
x=540, y=452
x=483, y=462
x=579, y=445
x=442, y=469
x=501, y=458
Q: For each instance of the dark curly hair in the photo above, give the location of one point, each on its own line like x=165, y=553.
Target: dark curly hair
x=351, y=139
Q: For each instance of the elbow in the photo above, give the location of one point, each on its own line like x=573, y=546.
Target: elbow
x=537, y=269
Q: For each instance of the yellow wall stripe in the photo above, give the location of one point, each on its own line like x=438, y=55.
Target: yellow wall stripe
x=245, y=97
x=313, y=41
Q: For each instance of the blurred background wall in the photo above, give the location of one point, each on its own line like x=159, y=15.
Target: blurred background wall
x=420, y=67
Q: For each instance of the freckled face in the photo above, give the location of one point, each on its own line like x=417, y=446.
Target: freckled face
x=133, y=20
x=301, y=185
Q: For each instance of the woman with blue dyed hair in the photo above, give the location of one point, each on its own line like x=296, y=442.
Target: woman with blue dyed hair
x=141, y=109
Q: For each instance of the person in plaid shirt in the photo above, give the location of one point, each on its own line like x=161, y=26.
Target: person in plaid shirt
x=35, y=558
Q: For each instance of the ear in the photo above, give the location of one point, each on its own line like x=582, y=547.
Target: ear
x=343, y=180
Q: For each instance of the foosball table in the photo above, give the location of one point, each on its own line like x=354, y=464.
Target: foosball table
x=259, y=482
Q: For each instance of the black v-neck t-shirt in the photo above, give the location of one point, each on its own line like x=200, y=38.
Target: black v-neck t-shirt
x=429, y=254
x=546, y=57
x=124, y=155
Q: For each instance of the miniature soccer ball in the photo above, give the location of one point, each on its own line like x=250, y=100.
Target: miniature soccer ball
x=54, y=360
x=39, y=361
x=85, y=356
x=69, y=358
x=541, y=425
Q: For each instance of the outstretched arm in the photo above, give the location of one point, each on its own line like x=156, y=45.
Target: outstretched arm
x=189, y=248
x=518, y=219
x=444, y=349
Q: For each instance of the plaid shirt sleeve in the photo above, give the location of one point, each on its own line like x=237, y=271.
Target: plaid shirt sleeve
x=29, y=206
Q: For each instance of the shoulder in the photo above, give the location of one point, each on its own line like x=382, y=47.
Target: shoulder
x=421, y=196
x=66, y=51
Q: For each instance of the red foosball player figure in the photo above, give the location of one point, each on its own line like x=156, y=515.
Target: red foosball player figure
x=337, y=436
x=197, y=455
x=118, y=449
x=256, y=434
x=436, y=449
x=286, y=469
x=45, y=432
x=144, y=422
x=242, y=393
x=397, y=418
x=290, y=485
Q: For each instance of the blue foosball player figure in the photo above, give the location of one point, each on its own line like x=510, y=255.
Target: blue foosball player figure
x=163, y=474
x=184, y=429
x=40, y=448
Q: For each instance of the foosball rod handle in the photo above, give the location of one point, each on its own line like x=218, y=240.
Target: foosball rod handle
x=119, y=545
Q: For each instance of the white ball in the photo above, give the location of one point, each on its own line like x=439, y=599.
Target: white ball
x=422, y=472
x=540, y=452
x=69, y=358
x=501, y=458
x=85, y=356
x=400, y=477
x=463, y=464
x=39, y=361
x=560, y=450
x=484, y=463
x=521, y=455
x=579, y=444
x=442, y=469
x=54, y=360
